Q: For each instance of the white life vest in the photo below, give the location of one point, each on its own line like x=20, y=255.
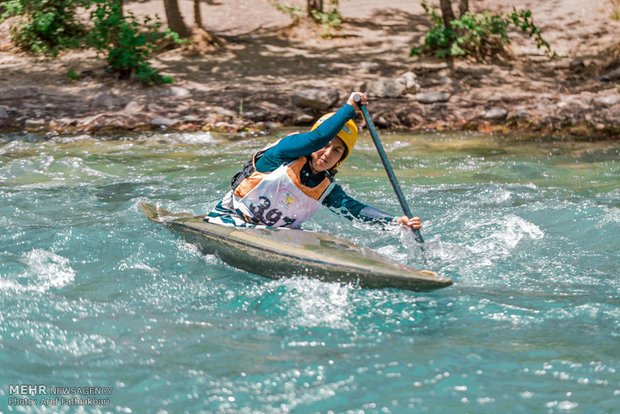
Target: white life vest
x=278, y=198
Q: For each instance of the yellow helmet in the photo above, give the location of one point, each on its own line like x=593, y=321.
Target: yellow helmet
x=348, y=135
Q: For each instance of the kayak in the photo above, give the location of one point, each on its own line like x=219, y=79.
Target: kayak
x=283, y=252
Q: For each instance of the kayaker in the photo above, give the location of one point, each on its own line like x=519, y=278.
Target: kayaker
x=287, y=182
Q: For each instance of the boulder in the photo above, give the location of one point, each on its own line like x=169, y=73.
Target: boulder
x=224, y=112
x=386, y=88
x=34, y=123
x=608, y=100
x=495, y=114
x=432, y=97
x=163, y=122
x=106, y=99
x=4, y=112
x=303, y=119
x=321, y=99
x=133, y=107
x=177, y=91
x=411, y=82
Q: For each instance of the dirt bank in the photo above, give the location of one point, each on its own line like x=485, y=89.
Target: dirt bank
x=250, y=83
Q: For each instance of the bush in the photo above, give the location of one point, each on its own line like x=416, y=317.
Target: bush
x=479, y=35
x=49, y=25
x=127, y=43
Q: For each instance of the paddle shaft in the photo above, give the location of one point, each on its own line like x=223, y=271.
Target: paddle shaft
x=387, y=166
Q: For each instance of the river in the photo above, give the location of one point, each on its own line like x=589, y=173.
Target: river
x=92, y=294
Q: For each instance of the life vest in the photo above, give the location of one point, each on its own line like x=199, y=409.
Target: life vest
x=277, y=198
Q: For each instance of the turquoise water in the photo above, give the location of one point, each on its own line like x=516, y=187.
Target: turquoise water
x=93, y=294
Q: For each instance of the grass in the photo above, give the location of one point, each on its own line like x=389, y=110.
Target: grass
x=615, y=9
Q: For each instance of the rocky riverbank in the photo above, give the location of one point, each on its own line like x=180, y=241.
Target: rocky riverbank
x=286, y=75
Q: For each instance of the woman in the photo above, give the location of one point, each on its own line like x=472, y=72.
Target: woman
x=285, y=183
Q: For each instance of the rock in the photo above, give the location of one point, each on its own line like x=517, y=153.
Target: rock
x=575, y=100
x=133, y=107
x=30, y=105
x=271, y=125
x=608, y=100
x=521, y=113
x=35, y=123
x=225, y=112
x=163, y=122
x=4, y=112
x=411, y=83
x=426, y=67
x=190, y=118
x=321, y=99
x=412, y=119
x=303, y=119
x=106, y=99
x=177, y=91
x=495, y=114
x=386, y=88
x=65, y=122
x=382, y=122
x=360, y=86
x=613, y=75
x=368, y=66
x=432, y=97
x=19, y=92
x=586, y=97
x=224, y=125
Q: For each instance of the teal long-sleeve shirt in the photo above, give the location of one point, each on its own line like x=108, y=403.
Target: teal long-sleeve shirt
x=294, y=146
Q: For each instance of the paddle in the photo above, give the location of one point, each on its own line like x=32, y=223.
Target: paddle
x=386, y=164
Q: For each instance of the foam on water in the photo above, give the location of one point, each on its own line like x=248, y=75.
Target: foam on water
x=44, y=270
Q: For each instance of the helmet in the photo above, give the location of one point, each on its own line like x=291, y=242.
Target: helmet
x=348, y=135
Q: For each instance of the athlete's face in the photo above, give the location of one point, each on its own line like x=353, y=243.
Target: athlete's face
x=328, y=156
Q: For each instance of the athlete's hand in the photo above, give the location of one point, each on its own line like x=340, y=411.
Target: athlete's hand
x=413, y=222
x=351, y=100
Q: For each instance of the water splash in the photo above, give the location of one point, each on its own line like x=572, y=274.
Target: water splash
x=45, y=270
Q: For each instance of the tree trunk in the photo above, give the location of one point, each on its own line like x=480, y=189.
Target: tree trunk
x=463, y=7
x=446, y=12
x=175, y=20
x=197, y=15
x=314, y=5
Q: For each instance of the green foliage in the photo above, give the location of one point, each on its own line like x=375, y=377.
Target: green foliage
x=49, y=26
x=73, y=75
x=46, y=27
x=295, y=12
x=476, y=34
x=127, y=42
x=523, y=19
x=328, y=21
